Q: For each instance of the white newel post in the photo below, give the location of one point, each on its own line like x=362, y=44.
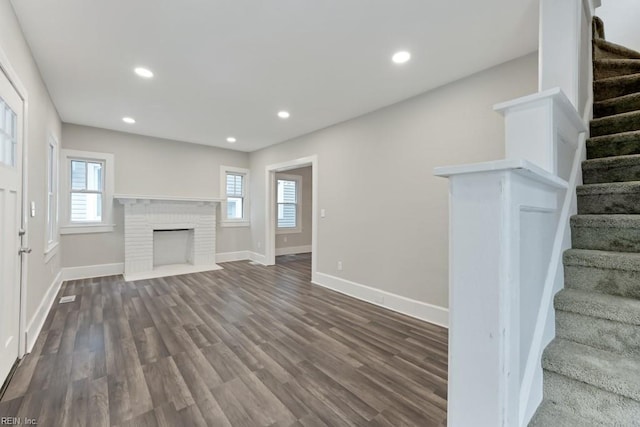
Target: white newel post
x=561, y=57
x=504, y=217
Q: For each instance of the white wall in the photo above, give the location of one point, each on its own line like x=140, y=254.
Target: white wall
x=149, y=166
x=386, y=215
x=43, y=120
x=621, y=19
x=303, y=238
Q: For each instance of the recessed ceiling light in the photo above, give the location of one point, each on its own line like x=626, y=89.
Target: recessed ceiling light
x=128, y=120
x=231, y=140
x=401, y=57
x=284, y=114
x=143, y=72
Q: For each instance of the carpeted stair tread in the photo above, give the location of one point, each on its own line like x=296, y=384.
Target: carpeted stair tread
x=608, y=188
x=628, y=261
x=606, y=49
x=609, y=198
x=611, y=169
x=615, y=232
x=618, y=123
x=608, y=221
x=604, y=68
x=589, y=404
x=613, y=273
x=599, y=332
x=552, y=415
x=609, y=371
x=603, y=306
x=621, y=144
x=613, y=87
x=618, y=105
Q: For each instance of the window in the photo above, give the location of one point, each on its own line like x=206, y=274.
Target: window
x=235, y=196
x=52, y=195
x=235, y=207
x=8, y=135
x=288, y=197
x=88, y=192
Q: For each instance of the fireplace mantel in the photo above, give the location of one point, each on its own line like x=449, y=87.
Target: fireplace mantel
x=144, y=215
x=127, y=199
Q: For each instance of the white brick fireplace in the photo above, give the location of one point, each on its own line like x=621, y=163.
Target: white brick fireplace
x=144, y=215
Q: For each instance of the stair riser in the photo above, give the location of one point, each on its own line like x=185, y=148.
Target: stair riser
x=624, y=283
x=610, y=148
x=616, y=203
x=607, y=89
x=599, y=333
x=624, y=105
x=606, y=71
x=612, y=125
x=606, y=238
x=611, y=173
x=590, y=402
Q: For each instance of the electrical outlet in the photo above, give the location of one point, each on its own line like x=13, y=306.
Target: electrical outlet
x=284, y=239
x=323, y=213
x=339, y=265
x=259, y=245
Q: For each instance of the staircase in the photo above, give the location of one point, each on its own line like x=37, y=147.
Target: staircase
x=592, y=367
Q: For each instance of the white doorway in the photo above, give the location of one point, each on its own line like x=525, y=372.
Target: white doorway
x=272, y=206
x=11, y=233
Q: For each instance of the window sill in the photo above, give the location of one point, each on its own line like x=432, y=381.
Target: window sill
x=87, y=229
x=288, y=230
x=51, y=250
x=235, y=224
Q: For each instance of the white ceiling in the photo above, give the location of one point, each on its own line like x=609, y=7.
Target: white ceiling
x=621, y=19
x=226, y=67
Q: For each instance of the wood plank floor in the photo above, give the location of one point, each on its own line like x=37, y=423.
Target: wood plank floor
x=244, y=346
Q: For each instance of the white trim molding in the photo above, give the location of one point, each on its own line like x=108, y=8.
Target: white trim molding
x=232, y=256
x=91, y=271
x=37, y=320
x=291, y=250
x=259, y=258
x=410, y=307
x=246, y=200
x=106, y=223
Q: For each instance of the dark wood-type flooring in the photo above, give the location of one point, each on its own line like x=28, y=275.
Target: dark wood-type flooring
x=244, y=346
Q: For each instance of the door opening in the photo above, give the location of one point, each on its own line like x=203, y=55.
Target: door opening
x=291, y=213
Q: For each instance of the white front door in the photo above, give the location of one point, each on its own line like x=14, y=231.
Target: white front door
x=10, y=223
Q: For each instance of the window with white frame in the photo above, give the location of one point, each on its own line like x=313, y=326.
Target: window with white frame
x=288, y=203
x=88, y=192
x=235, y=207
x=52, y=194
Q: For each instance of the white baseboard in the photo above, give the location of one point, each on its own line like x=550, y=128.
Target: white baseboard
x=89, y=271
x=259, y=258
x=37, y=321
x=232, y=256
x=293, y=250
x=420, y=310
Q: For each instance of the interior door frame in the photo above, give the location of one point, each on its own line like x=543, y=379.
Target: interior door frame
x=12, y=75
x=270, y=198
